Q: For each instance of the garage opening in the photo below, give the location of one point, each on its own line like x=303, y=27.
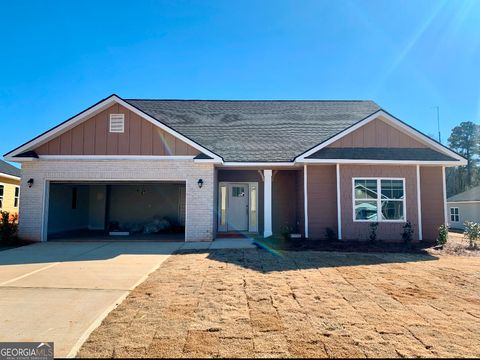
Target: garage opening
x=116, y=210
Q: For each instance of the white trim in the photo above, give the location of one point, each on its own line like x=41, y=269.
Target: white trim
x=7, y=176
x=2, y=198
x=381, y=162
x=444, y=195
x=117, y=123
x=305, y=198
x=419, y=205
x=45, y=203
x=219, y=201
x=457, y=214
x=379, y=199
x=93, y=111
x=115, y=157
x=339, y=205
x=267, y=204
x=260, y=164
x=207, y=161
x=48, y=181
x=15, y=197
x=395, y=123
x=463, y=202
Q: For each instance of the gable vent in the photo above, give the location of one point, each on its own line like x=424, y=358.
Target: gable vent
x=117, y=123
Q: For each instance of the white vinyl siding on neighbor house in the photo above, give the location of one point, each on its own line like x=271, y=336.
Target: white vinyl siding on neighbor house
x=378, y=199
x=454, y=214
x=460, y=212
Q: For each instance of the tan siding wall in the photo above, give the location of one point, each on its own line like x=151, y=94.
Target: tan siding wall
x=300, y=202
x=9, y=186
x=386, y=231
x=284, y=198
x=93, y=138
x=322, y=200
x=431, y=182
x=377, y=133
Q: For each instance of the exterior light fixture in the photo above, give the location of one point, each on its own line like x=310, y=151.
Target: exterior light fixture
x=200, y=183
x=30, y=183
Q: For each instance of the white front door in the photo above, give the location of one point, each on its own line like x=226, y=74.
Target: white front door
x=238, y=207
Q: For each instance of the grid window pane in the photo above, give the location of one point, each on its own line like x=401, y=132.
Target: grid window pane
x=392, y=189
x=1, y=196
x=15, y=199
x=392, y=210
x=454, y=215
x=366, y=189
x=238, y=191
x=366, y=210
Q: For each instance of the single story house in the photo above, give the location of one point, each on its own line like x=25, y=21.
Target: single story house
x=464, y=207
x=9, y=187
x=205, y=168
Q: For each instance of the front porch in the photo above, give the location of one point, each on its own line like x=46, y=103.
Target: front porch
x=259, y=202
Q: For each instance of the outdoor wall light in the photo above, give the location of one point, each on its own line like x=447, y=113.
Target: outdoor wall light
x=200, y=183
x=30, y=183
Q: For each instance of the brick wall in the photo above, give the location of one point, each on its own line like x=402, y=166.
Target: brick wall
x=199, y=204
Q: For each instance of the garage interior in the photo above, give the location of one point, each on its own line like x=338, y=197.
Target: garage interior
x=116, y=211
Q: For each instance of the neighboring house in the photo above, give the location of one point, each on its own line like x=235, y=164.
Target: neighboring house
x=464, y=207
x=9, y=188
x=233, y=166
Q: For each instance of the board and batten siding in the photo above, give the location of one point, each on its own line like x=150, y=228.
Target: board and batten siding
x=432, y=199
x=387, y=231
x=92, y=137
x=377, y=133
x=322, y=200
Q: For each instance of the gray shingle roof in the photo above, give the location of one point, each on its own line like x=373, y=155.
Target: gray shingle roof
x=381, y=154
x=469, y=195
x=257, y=130
x=6, y=168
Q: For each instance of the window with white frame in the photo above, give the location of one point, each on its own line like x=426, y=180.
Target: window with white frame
x=16, y=197
x=454, y=214
x=1, y=196
x=378, y=199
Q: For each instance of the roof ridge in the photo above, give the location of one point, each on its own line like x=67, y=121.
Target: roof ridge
x=250, y=100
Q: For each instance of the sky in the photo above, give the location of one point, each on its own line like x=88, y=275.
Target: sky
x=59, y=57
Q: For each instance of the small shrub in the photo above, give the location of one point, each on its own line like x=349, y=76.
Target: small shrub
x=8, y=226
x=442, y=235
x=286, y=230
x=472, y=234
x=330, y=234
x=373, y=231
x=407, y=234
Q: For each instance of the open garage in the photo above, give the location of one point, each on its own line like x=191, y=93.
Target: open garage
x=116, y=210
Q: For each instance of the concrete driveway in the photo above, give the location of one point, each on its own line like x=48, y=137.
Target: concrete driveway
x=61, y=291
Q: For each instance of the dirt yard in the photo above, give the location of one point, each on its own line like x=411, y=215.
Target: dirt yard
x=253, y=303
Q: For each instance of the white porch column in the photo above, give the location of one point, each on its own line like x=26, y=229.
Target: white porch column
x=267, y=203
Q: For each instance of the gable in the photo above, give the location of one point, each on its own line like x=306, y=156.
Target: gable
x=377, y=134
x=92, y=137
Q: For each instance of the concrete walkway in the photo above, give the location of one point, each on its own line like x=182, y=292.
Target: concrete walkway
x=61, y=291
